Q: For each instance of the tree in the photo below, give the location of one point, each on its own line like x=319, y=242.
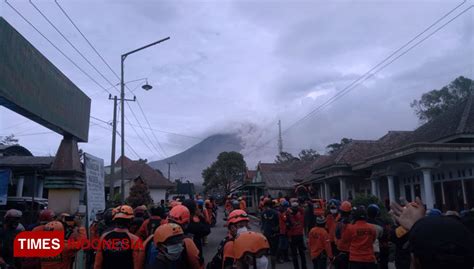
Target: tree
x=139, y=194
x=286, y=158
x=435, y=102
x=228, y=168
x=308, y=155
x=8, y=140
x=336, y=146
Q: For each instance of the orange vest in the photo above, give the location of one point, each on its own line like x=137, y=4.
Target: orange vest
x=318, y=240
x=361, y=236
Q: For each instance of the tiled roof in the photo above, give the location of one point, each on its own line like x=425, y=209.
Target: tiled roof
x=136, y=169
x=458, y=120
x=277, y=176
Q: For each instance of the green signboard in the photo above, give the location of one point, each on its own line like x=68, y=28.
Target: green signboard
x=33, y=87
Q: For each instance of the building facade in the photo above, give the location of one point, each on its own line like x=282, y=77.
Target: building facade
x=434, y=162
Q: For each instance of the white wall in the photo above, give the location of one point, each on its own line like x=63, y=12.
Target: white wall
x=157, y=195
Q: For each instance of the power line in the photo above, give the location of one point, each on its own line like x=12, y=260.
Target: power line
x=56, y=47
x=69, y=42
x=128, y=145
x=153, y=133
x=85, y=38
x=146, y=135
x=117, y=76
x=368, y=74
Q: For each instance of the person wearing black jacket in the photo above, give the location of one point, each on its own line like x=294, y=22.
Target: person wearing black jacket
x=198, y=227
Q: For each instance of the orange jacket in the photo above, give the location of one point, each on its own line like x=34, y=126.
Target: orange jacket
x=143, y=230
x=228, y=205
x=207, y=215
x=66, y=258
x=297, y=222
x=331, y=222
x=228, y=256
x=136, y=251
x=361, y=236
x=318, y=240
x=243, y=205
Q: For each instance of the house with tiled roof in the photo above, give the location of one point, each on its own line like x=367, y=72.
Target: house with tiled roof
x=139, y=170
x=434, y=162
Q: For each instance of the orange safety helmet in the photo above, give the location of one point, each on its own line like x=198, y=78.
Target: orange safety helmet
x=250, y=242
x=180, y=214
x=54, y=226
x=46, y=215
x=346, y=206
x=123, y=212
x=237, y=215
x=166, y=231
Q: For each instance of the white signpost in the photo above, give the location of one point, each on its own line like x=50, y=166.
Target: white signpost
x=95, y=191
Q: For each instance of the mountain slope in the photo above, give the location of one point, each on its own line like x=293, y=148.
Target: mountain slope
x=191, y=162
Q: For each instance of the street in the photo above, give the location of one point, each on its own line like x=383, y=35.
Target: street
x=219, y=232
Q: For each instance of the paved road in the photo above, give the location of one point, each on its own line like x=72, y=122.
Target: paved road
x=219, y=232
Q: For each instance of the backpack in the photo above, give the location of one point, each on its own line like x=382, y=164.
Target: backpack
x=218, y=259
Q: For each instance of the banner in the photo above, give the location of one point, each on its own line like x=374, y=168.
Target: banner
x=4, y=180
x=94, y=185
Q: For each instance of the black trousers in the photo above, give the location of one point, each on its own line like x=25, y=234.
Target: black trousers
x=320, y=262
x=297, y=246
x=342, y=260
x=362, y=265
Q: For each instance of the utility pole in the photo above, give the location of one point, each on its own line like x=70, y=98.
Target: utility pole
x=112, y=161
x=122, y=102
x=169, y=170
x=280, y=139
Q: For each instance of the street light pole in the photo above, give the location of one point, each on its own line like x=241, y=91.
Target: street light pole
x=122, y=102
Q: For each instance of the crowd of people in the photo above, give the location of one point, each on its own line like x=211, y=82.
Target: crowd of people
x=172, y=235
x=357, y=236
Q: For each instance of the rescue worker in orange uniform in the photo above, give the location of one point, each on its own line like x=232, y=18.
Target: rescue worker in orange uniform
x=342, y=259
x=319, y=244
x=242, y=203
x=45, y=216
x=64, y=260
x=227, y=207
x=237, y=223
x=361, y=237
x=196, y=227
x=168, y=248
x=125, y=249
x=149, y=225
x=250, y=250
x=295, y=224
x=332, y=218
x=283, y=243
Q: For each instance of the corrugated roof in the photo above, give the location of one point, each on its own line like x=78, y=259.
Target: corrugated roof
x=24, y=161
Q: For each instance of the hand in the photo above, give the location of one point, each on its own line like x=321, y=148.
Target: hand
x=409, y=215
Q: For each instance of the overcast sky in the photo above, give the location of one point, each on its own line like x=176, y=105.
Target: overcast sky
x=239, y=66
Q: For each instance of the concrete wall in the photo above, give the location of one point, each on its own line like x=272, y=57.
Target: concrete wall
x=157, y=195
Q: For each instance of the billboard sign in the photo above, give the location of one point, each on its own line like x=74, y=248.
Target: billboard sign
x=33, y=87
x=95, y=190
